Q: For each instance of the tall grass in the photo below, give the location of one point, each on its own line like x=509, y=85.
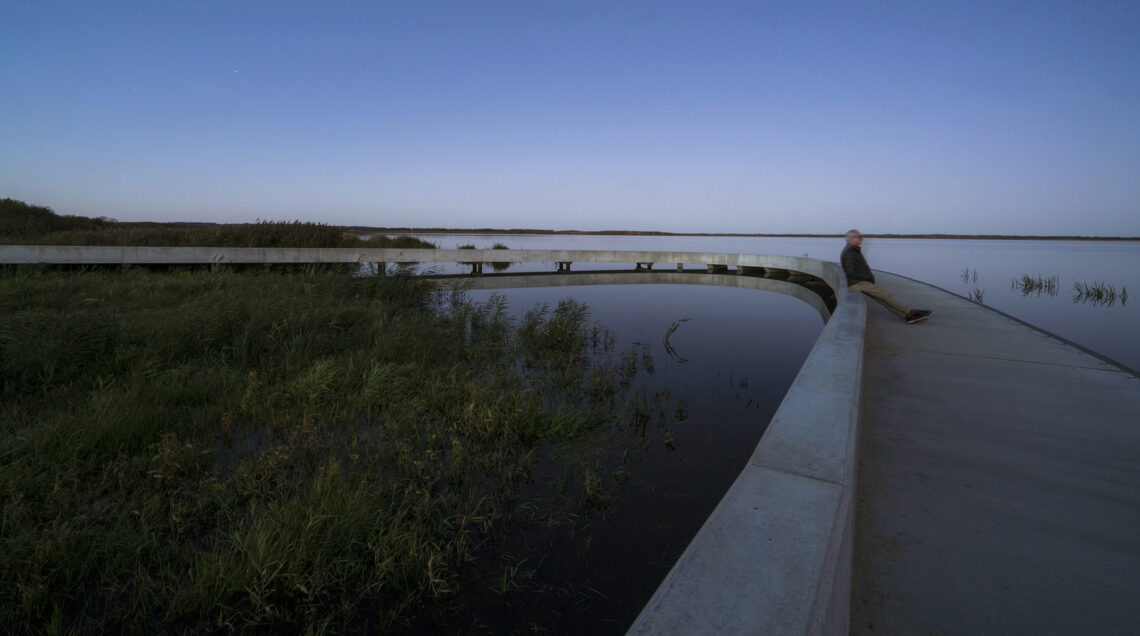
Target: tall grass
x=37, y=225
x=1035, y=285
x=1098, y=293
x=220, y=451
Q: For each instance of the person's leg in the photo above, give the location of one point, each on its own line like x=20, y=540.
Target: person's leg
x=884, y=298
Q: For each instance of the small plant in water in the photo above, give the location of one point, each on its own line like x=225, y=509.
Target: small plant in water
x=969, y=276
x=1029, y=285
x=1099, y=294
x=978, y=295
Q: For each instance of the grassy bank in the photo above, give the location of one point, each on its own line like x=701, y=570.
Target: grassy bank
x=24, y=224
x=217, y=451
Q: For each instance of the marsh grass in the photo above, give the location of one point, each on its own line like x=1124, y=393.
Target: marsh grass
x=21, y=223
x=1035, y=285
x=203, y=451
x=1098, y=293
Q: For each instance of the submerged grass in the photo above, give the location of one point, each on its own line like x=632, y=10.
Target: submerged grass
x=219, y=451
x=1098, y=293
x=1035, y=285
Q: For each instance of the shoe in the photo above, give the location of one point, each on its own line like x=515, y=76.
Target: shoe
x=917, y=315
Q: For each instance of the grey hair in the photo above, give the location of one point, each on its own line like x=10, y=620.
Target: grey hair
x=852, y=234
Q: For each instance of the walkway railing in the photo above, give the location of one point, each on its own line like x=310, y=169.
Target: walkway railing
x=774, y=557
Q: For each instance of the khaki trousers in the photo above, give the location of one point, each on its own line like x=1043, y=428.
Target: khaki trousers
x=883, y=296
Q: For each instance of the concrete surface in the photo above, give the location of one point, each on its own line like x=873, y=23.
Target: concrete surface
x=999, y=478
x=88, y=254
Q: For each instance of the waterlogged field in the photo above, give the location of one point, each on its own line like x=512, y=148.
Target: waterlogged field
x=308, y=451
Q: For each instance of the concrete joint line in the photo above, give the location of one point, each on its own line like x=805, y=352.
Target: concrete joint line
x=1000, y=359
x=785, y=471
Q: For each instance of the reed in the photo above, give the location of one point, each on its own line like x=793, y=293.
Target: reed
x=1035, y=285
x=36, y=225
x=1098, y=293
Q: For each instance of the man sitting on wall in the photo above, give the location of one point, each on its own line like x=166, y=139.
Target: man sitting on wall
x=860, y=278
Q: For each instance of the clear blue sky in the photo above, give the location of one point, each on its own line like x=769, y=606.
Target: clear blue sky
x=988, y=117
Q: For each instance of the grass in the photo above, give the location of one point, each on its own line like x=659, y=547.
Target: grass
x=1035, y=285
x=1098, y=293
x=21, y=223
x=203, y=451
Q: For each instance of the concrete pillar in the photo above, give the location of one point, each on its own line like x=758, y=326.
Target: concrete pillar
x=648, y=266
x=680, y=267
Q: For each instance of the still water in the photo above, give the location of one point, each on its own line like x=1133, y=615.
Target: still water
x=726, y=367
x=992, y=266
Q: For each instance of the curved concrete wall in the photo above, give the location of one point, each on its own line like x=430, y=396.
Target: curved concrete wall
x=774, y=557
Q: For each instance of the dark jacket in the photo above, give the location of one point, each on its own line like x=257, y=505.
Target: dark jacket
x=855, y=266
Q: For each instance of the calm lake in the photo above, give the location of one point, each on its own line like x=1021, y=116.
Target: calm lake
x=728, y=355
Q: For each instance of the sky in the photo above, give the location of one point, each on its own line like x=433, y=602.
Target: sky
x=894, y=117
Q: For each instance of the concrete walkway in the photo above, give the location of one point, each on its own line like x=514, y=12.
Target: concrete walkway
x=999, y=478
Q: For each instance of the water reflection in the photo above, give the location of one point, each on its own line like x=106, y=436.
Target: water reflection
x=727, y=356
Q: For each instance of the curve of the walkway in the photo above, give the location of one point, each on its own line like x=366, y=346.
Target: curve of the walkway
x=999, y=482
x=775, y=555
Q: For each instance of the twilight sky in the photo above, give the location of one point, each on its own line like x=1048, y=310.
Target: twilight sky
x=961, y=117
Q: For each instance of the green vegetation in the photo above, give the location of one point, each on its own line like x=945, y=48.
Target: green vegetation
x=204, y=451
x=21, y=223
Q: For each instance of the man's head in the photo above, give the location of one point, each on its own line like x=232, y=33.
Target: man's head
x=854, y=238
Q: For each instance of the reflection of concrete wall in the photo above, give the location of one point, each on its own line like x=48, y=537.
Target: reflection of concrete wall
x=774, y=557
x=516, y=281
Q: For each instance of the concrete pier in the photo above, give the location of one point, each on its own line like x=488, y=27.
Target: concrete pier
x=999, y=478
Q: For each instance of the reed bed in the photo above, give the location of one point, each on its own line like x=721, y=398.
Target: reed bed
x=1098, y=293
x=213, y=451
x=21, y=223
x=1035, y=285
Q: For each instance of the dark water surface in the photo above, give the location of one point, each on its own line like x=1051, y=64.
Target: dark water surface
x=732, y=362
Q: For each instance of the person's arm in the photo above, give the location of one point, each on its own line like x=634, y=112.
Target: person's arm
x=850, y=266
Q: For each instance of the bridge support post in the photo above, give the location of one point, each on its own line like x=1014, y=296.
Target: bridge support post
x=563, y=266
x=717, y=269
x=680, y=267
x=648, y=266
x=476, y=269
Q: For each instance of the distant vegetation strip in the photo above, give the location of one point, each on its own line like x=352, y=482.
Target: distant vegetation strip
x=24, y=224
x=21, y=223
x=981, y=237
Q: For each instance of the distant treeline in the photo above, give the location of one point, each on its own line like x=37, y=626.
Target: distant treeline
x=1004, y=237
x=25, y=224
x=21, y=223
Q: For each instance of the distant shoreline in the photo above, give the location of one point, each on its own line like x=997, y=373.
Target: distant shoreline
x=983, y=237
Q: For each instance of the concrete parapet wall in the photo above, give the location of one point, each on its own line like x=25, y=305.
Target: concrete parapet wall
x=774, y=557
